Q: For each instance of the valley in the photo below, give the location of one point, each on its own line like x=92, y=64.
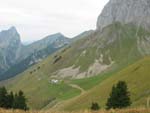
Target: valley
x=62, y=74
x=39, y=75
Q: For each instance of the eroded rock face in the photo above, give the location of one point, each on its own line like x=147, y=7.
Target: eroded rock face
x=10, y=44
x=125, y=11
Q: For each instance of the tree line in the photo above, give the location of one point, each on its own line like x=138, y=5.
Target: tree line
x=119, y=97
x=9, y=100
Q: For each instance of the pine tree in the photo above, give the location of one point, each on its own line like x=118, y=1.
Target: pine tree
x=20, y=101
x=3, y=97
x=111, y=103
x=119, y=97
x=10, y=100
x=95, y=106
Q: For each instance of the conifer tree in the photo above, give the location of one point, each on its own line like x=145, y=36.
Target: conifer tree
x=3, y=97
x=119, y=97
x=20, y=101
x=10, y=100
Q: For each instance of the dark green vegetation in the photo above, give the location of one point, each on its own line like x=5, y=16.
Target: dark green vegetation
x=19, y=101
x=11, y=101
x=119, y=97
x=95, y=106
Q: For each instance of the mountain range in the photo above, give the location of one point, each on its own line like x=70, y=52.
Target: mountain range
x=16, y=57
x=88, y=67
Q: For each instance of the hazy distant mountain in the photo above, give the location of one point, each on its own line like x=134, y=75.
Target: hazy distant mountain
x=57, y=40
x=13, y=53
x=82, y=35
x=10, y=45
x=27, y=42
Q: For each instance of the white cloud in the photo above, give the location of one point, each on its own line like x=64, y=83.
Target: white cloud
x=35, y=19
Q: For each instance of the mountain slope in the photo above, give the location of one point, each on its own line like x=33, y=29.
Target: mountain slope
x=40, y=50
x=82, y=35
x=107, y=50
x=137, y=78
x=16, y=57
x=72, y=62
x=28, y=62
x=56, y=41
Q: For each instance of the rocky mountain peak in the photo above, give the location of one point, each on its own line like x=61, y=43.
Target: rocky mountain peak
x=13, y=29
x=125, y=11
x=9, y=35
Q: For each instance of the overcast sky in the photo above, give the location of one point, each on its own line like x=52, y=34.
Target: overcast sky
x=34, y=19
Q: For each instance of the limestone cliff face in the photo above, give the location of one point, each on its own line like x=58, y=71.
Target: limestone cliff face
x=10, y=45
x=125, y=11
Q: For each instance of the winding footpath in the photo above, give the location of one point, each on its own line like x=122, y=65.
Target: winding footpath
x=77, y=87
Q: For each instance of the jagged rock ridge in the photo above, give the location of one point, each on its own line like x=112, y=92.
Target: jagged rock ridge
x=13, y=52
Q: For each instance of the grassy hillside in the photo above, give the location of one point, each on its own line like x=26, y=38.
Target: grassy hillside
x=137, y=77
x=115, y=47
x=40, y=91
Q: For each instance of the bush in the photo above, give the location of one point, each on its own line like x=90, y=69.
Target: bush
x=95, y=107
x=57, y=59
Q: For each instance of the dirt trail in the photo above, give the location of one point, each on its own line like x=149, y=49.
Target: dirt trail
x=77, y=87
x=61, y=103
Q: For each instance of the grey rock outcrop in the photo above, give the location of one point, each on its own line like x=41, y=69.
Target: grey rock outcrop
x=10, y=45
x=125, y=11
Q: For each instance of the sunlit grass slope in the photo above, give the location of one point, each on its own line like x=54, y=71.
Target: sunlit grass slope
x=137, y=77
